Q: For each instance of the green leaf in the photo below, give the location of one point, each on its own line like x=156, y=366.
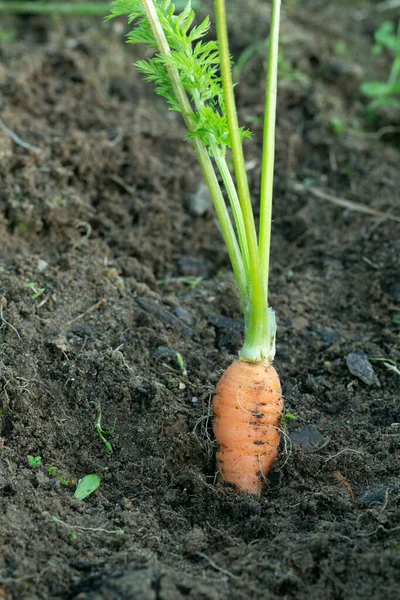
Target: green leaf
x=196, y=60
x=376, y=89
x=34, y=461
x=289, y=416
x=87, y=486
x=386, y=35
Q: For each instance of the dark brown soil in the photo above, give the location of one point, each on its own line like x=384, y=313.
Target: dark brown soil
x=99, y=221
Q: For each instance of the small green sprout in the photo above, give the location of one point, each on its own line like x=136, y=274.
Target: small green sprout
x=341, y=48
x=64, y=481
x=102, y=432
x=181, y=363
x=87, y=486
x=286, y=417
x=391, y=364
x=338, y=125
x=35, y=461
x=289, y=416
x=52, y=471
x=386, y=93
x=37, y=291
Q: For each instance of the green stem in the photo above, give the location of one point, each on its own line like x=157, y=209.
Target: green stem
x=51, y=8
x=268, y=157
x=202, y=155
x=235, y=204
x=219, y=157
x=395, y=70
x=256, y=313
x=70, y=9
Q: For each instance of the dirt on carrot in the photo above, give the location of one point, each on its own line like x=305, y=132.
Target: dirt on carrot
x=109, y=269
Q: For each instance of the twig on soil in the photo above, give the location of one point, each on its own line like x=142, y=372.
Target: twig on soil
x=94, y=529
x=355, y=206
x=87, y=312
x=119, y=181
x=216, y=567
x=324, y=445
x=379, y=528
x=17, y=139
x=7, y=323
x=377, y=134
x=87, y=227
x=370, y=263
x=117, y=352
x=342, y=451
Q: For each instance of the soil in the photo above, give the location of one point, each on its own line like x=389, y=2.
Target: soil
x=125, y=276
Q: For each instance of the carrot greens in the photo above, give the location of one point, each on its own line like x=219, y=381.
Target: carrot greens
x=194, y=75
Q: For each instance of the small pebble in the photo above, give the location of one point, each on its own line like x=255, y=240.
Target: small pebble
x=329, y=336
x=299, y=323
x=42, y=265
x=200, y=202
x=185, y=316
x=377, y=496
x=308, y=438
x=359, y=365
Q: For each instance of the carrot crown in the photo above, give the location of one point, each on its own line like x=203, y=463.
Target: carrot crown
x=195, y=77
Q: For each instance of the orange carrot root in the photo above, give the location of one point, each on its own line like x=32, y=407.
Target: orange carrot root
x=247, y=413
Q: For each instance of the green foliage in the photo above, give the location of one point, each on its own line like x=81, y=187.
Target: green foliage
x=52, y=470
x=7, y=36
x=289, y=416
x=341, y=48
x=37, y=291
x=181, y=364
x=34, y=461
x=338, y=125
x=87, y=486
x=385, y=38
x=195, y=60
x=102, y=432
x=387, y=93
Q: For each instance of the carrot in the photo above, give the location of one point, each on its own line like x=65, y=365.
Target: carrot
x=247, y=407
x=195, y=77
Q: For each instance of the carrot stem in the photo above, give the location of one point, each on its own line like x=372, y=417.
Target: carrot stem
x=70, y=9
x=202, y=155
x=255, y=313
x=257, y=345
x=268, y=157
